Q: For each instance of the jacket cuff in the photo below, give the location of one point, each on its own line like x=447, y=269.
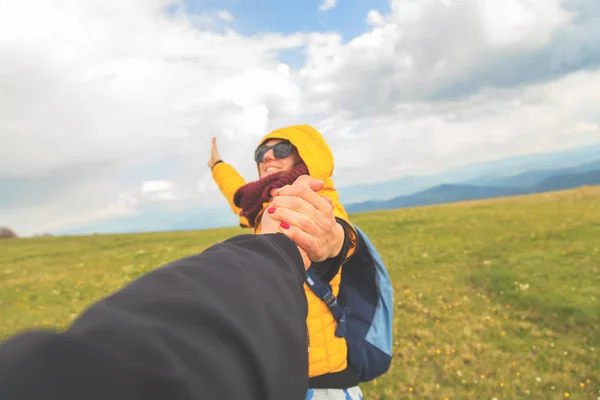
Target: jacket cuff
x=215, y=164
x=349, y=242
x=326, y=270
x=290, y=249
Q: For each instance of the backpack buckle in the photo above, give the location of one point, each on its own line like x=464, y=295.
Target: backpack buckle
x=329, y=299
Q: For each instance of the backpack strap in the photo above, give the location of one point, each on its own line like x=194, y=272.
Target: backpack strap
x=323, y=291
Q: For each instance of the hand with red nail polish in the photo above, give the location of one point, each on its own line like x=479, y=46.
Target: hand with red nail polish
x=285, y=225
x=308, y=218
x=269, y=225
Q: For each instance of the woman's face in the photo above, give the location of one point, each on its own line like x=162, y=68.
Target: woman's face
x=270, y=164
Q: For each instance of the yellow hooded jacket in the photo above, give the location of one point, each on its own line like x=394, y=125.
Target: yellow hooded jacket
x=327, y=352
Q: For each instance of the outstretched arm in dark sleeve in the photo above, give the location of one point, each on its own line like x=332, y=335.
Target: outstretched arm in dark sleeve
x=225, y=324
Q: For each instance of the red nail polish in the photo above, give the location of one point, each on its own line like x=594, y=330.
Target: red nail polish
x=271, y=210
x=285, y=225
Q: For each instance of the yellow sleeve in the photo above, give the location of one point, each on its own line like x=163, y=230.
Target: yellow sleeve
x=229, y=181
x=340, y=212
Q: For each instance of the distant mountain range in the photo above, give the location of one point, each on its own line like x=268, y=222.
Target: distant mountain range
x=530, y=168
x=487, y=187
x=534, y=177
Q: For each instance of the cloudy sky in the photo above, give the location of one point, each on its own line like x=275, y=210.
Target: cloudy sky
x=107, y=107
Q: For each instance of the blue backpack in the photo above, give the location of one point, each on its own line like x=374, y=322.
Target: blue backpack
x=363, y=309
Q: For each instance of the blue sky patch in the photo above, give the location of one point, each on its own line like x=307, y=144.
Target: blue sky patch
x=349, y=18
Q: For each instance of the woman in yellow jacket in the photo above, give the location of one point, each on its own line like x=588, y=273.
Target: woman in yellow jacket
x=282, y=156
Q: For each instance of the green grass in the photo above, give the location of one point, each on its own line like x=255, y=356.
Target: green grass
x=494, y=299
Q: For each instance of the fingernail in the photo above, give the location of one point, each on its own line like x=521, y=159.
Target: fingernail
x=285, y=225
x=271, y=210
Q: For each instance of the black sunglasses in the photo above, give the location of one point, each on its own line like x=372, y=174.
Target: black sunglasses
x=280, y=150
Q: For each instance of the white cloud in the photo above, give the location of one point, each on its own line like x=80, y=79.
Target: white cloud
x=35, y=220
x=156, y=186
x=427, y=138
x=375, y=18
x=437, y=83
x=582, y=128
x=160, y=190
x=429, y=49
x=225, y=15
x=523, y=23
x=327, y=5
x=110, y=79
x=166, y=195
x=124, y=205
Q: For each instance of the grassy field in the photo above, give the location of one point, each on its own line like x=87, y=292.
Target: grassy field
x=494, y=299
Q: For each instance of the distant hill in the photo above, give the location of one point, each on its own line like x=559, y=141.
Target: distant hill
x=390, y=189
x=449, y=193
x=519, y=171
x=7, y=233
x=532, y=178
x=446, y=193
x=567, y=181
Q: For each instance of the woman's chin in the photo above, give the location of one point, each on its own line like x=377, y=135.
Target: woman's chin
x=271, y=172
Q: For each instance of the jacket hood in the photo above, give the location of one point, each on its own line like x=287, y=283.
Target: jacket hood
x=312, y=148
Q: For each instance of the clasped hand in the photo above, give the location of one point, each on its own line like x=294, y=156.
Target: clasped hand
x=308, y=219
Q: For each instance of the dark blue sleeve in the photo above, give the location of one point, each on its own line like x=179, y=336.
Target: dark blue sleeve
x=225, y=324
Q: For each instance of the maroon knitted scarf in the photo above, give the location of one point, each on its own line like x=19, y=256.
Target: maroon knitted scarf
x=250, y=197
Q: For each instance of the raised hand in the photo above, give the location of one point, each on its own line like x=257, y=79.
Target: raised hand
x=214, y=154
x=307, y=218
